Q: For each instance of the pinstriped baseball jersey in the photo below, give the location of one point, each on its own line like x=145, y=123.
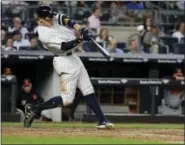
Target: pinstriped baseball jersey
x=52, y=37
x=70, y=69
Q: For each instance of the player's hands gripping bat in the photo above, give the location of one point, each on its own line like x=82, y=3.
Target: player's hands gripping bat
x=87, y=36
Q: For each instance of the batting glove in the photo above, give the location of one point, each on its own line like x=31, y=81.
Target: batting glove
x=86, y=35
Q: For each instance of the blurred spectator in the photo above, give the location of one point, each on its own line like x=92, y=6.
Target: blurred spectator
x=28, y=95
x=82, y=4
x=180, y=31
x=104, y=37
x=9, y=45
x=94, y=19
x=15, y=8
x=34, y=44
x=97, y=4
x=52, y=3
x=178, y=75
x=90, y=3
x=118, y=12
x=134, y=48
x=18, y=41
x=173, y=97
x=134, y=9
x=171, y=5
x=147, y=23
x=135, y=5
x=82, y=10
x=18, y=26
x=7, y=71
x=108, y=41
x=115, y=12
x=18, y=7
x=151, y=39
x=3, y=37
x=112, y=47
x=143, y=29
x=180, y=4
x=69, y=3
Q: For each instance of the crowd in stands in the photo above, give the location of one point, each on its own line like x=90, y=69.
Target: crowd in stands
x=18, y=37
x=171, y=5
x=112, y=11
x=152, y=35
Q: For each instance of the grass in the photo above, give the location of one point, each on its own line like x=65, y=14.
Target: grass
x=58, y=139
x=92, y=125
x=71, y=140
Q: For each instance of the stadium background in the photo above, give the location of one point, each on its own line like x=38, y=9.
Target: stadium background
x=141, y=36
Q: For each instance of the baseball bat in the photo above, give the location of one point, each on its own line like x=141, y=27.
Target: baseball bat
x=105, y=53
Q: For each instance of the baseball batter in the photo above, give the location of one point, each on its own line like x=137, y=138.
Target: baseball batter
x=55, y=33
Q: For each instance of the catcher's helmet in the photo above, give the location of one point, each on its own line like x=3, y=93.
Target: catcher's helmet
x=44, y=11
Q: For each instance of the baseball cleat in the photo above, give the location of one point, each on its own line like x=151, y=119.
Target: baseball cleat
x=29, y=116
x=28, y=108
x=105, y=125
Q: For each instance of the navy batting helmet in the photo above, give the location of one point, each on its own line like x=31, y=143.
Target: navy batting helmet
x=44, y=11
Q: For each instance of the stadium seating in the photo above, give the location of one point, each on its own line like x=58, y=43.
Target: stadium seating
x=169, y=41
x=179, y=48
x=121, y=45
x=23, y=48
x=90, y=47
x=163, y=49
x=169, y=32
x=166, y=27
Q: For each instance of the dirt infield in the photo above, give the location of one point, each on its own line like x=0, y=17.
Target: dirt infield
x=164, y=135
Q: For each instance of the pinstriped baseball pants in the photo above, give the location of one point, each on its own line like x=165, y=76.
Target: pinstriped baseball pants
x=72, y=75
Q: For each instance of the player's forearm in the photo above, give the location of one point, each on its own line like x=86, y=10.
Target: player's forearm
x=72, y=24
x=70, y=44
x=77, y=27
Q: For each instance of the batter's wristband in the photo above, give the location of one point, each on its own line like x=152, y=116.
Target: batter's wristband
x=70, y=22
